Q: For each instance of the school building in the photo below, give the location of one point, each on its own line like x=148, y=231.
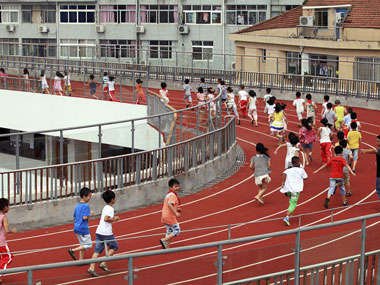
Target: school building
x=171, y=32
x=333, y=38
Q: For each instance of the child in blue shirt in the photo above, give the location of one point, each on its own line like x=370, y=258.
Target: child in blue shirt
x=81, y=215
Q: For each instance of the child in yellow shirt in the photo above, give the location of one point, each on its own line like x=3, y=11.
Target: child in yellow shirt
x=354, y=138
x=340, y=111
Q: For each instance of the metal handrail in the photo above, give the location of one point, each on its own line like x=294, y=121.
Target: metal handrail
x=216, y=244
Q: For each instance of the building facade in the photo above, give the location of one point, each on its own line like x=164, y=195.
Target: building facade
x=332, y=38
x=170, y=32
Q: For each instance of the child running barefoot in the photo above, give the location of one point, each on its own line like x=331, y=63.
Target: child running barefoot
x=354, y=138
x=252, y=109
x=164, y=93
x=299, y=104
x=231, y=105
x=324, y=134
x=336, y=164
x=5, y=255
x=292, y=185
x=260, y=164
x=140, y=92
x=171, y=210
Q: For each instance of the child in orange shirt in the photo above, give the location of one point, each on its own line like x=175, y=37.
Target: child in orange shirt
x=140, y=92
x=171, y=210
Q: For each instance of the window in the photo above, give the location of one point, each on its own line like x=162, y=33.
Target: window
x=293, y=62
x=367, y=68
x=78, y=48
x=160, y=49
x=117, y=14
x=263, y=55
x=323, y=65
x=39, y=47
x=321, y=18
x=159, y=14
x=202, y=14
x=8, y=46
x=38, y=14
x=202, y=50
x=77, y=13
x=118, y=48
x=8, y=14
x=245, y=14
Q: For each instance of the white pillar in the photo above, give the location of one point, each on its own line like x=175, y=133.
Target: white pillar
x=305, y=64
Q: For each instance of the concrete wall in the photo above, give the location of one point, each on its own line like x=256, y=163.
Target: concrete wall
x=61, y=211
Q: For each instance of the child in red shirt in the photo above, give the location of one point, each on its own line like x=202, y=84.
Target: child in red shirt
x=336, y=164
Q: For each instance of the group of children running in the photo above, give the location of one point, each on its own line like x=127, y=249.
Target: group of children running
x=339, y=134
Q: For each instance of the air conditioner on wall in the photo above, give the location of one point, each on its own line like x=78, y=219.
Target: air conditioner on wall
x=44, y=29
x=100, y=28
x=140, y=29
x=11, y=28
x=307, y=21
x=184, y=30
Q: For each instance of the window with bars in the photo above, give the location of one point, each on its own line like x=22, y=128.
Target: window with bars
x=245, y=14
x=117, y=14
x=367, y=68
x=8, y=46
x=118, y=48
x=321, y=18
x=203, y=14
x=37, y=14
x=159, y=14
x=77, y=14
x=293, y=62
x=160, y=49
x=9, y=14
x=39, y=47
x=202, y=50
x=73, y=48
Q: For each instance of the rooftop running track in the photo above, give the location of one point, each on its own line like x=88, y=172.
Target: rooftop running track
x=228, y=202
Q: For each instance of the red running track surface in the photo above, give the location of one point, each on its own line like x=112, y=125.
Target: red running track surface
x=228, y=202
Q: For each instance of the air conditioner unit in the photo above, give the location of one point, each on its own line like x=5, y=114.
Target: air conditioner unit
x=100, y=28
x=184, y=30
x=44, y=29
x=140, y=29
x=307, y=21
x=11, y=28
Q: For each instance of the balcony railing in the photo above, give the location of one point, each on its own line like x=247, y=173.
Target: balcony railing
x=319, y=33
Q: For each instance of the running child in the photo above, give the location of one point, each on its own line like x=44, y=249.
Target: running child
x=277, y=122
x=260, y=164
x=203, y=84
x=44, y=83
x=299, y=104
x=330, y=114
x=67, y=82
x=201, y=97
x=311, y=109
x=307, y=138
x=25, y=75
x=243, y=100
x=164, y=93
x=336, y=164
x=210, y=97
x=324, y=134
x=92, y=84
x=6, y=256
x=81, y=215
x=105, y=80
x=266, y=98
x=292, y=185
x=339, y=111
x=270, y=105
x=171, y=210
x=140, y=92
x=354, y=138
x=346, y=174
x=187, y=96
x=252, y=109
x=58, y=83
x=111, y=88
x=231, y=105
x=104, y=234
x=326, y=100
x=292, y=149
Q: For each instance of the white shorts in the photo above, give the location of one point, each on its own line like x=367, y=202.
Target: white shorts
x=85, y=240
x=259, y=179
x=299, y=115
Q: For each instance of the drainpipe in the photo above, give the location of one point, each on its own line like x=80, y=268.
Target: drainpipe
x=138, y=21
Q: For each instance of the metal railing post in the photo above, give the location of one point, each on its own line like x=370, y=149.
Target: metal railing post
x=61, y=147
x=220, y=265
x=133, y=136
x=130, y=271
x=362, y=252
x=297, y=261
x=30, y=277
x=100, y=163
x=159, y=134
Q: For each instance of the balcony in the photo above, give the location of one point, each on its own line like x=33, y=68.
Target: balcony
x=319, y=33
